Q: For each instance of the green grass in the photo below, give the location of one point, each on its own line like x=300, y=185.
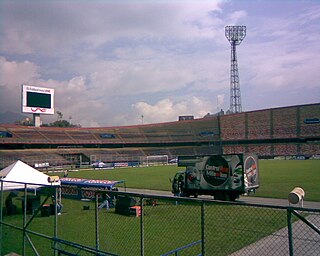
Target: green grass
x=168, y=226
x=277, y=177
x=156, y=177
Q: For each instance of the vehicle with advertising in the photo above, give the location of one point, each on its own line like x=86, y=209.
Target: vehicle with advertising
x=225, y=177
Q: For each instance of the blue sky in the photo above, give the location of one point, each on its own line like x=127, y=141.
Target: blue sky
x=110, y=62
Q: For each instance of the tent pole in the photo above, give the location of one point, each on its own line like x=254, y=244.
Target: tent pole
x=24, y=221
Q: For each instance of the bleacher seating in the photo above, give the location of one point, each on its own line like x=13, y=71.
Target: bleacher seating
x=259, y=125
x=309, y=149
x=233, y=127
x=306, y=129
x=33, y=157
x=285, y=122
x=234, y=149
x=81, y=135
x=260, y=150
x=285, y=149
x=278, y=131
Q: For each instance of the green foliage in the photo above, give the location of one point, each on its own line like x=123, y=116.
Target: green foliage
x=61, y=123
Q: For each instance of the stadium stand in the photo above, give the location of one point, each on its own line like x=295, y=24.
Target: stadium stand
x=310, y=149
x=233, y=127
x=285, y=149
x=130, y=134
x=259, y=125
x=285, y=122
x=264, y=150
x=234, y=149
x=309, y=129
x=33, y=157
x=286, y=131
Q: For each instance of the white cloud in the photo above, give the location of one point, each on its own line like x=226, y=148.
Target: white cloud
x=220, y=101
x=236, y=16
x=109, y=61
x=167, y=110
x=60, y=27
x=14, y=73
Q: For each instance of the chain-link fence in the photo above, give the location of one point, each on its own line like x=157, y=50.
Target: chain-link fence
x=119, y=223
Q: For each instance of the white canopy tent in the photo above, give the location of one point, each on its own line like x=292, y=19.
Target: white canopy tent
x=19, y=174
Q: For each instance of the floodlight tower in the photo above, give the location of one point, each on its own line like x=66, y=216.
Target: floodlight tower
x=235, y=35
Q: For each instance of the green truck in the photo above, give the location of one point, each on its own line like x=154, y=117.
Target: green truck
x=225, y=177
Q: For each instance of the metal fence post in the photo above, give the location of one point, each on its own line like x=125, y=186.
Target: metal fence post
x=1, y=211
x=141, y=227
x=202, y=228
x=289, y=221
x=97, y=221
x=55, y=220
x=24, y=221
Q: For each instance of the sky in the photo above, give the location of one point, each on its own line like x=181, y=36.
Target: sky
x=118, y=62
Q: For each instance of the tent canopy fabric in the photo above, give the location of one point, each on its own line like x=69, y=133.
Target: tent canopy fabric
x=16, y=175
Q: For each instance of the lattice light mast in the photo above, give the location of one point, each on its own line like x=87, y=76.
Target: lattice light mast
x=235, y=35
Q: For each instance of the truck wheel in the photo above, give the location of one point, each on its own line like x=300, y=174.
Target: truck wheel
x=219, y=196
x=230, y=196
x=233, y=196
x=225, y=196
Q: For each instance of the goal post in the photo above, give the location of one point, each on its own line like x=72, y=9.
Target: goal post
x=155, y=160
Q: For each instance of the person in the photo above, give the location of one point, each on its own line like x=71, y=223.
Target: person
x=10, y=207
x=180, y=185
x=59, y=205
x=106, y=202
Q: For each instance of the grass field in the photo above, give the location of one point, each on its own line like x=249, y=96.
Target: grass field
x=167, y=226
x=277, y=177
x=120, y=234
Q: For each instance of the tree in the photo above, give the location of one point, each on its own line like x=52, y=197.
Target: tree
x=61, y=123
x=60, y=115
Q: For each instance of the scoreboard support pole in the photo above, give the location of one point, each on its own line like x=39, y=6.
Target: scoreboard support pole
x=36, y=120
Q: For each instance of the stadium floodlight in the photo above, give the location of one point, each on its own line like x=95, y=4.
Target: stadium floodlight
x=235, y=35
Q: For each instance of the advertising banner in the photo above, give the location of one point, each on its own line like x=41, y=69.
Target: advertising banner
x=76, y=187
x=224, y=172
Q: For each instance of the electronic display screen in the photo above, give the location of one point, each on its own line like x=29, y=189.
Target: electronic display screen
x=39, y=100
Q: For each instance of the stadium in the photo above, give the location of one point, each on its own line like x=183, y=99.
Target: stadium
x=292, y=131
x=166, y=225
x=157, y=222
